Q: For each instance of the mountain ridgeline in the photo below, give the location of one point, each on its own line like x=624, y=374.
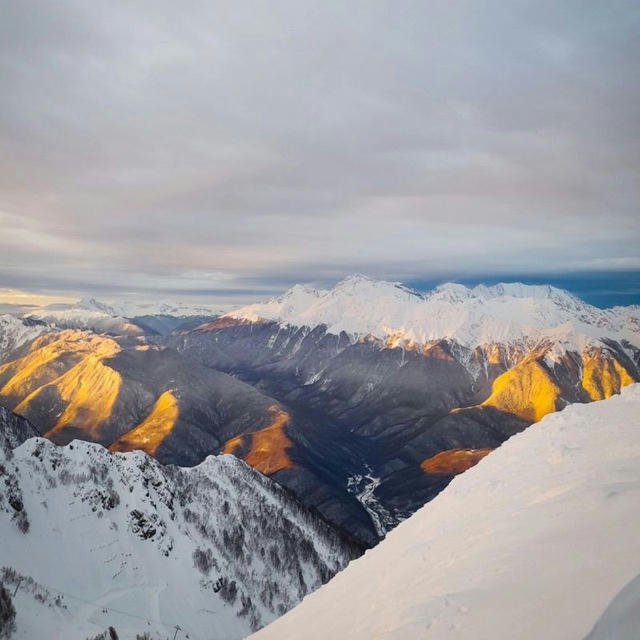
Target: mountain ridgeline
x=92, y=539
x=364, y=400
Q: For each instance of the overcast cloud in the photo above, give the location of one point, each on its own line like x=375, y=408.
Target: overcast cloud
x=235, y=146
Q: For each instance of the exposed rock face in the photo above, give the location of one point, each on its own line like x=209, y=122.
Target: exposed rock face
x=14, y=430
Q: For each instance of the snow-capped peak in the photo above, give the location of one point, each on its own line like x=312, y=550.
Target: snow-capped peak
x=505, y=312
x=91, y=304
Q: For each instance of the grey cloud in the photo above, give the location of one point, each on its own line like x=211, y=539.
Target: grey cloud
x=200, y=145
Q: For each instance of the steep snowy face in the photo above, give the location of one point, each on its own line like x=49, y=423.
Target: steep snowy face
x=92, y=539
x=475, y=316
x=536, y=541
x=15, y=332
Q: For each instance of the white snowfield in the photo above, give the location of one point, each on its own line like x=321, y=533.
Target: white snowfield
x=534, y=542
x=474, y=316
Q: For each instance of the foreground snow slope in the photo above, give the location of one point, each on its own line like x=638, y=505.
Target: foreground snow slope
x=90, y=538
x=534, y=542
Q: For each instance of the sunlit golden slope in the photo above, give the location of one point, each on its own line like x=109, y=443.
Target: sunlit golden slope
x=150, y=433
x=89, y=391
x=269, y=447
x=453, y=461
x=602, y=375
x=48, y=358
x=70, y=364
x=526, y=390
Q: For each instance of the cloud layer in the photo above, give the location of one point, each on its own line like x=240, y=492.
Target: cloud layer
x=224, y=147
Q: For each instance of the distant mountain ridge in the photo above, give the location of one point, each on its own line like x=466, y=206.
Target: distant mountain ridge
x=133, y=309
x=507, y=312
x=125, y=317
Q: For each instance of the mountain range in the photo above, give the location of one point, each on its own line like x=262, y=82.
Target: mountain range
x=124, y=317
x=364, y=400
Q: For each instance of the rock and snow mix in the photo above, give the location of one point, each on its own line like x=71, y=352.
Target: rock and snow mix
x=92, y=539
x=15, y=332
x=475, y=316
x=534, y=542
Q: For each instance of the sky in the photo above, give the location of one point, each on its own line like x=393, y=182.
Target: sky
x=227, y=150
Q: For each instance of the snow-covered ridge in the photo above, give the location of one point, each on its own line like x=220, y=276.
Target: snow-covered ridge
x=502, y=313
x=85, y=319
x=533, y=542
x=134, y=309
x=118, y=539
x=114, y=318
x=15, y=332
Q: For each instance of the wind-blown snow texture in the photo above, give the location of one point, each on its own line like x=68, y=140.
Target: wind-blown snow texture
x=502, y=313
x=105, y=539
x=534, y=542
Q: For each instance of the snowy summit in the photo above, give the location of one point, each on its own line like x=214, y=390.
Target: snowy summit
x=502, y=313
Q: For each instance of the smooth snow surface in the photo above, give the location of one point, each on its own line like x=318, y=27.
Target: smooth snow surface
x=502, y=313
x=534, y=542
x=622, y=617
